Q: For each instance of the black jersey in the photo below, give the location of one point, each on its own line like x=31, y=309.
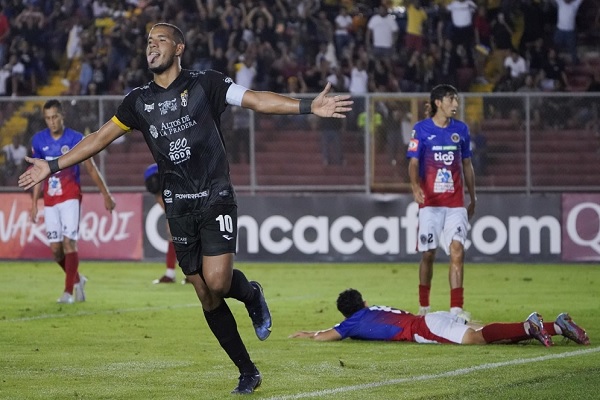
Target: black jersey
x=181, y=125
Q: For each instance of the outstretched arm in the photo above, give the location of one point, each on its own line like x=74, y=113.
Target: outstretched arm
x=273, y=103
x=322, y=336
x=88, y=147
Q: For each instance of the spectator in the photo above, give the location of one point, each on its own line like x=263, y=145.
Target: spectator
x=343, y=38
x=449, y=63
x=553, y=76
x=381, y=35
x=533, y=29
x=339, y=81
x=14, y=157
x=5, y=80
x=565, y=36
x=516, y=64
x=413, y=73
x=501, y=35
x=479, y=156
x=359, y=78
x=74, y=49
x=483, y=28
x=461, y=13
x=17, y=81
x=536, y=56
x=133, y=76
x=4, y=35
x=416, y=18
x=239, y=145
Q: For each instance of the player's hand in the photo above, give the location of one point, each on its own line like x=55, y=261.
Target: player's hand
x=38, y=171
x=331, y=106
x=33, y=214
x=419, y=196
x=471, y=210
x=301, y=334
x=109, y=203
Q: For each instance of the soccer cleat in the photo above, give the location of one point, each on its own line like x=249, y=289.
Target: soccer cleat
x=260, y=314
x=536, y=330
x=79, y=288
x=424, y=310
x=462, y=314
x=164, y=279
x=248, y=383
x=571, y=330
x=66, y=298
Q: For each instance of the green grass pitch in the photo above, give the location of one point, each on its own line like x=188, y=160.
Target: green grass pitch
x=134, y=340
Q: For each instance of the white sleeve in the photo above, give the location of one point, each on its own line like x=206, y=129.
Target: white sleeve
x=235, y=94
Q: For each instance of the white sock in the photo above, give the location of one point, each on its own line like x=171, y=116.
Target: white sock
x=170, y=273
x=557, y=329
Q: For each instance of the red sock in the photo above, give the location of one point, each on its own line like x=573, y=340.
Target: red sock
x=456, y=297
x=62, y=264
x=549, y=327
x=71, y=268
x=424, y=295
x=171, y=256
x=495, y=332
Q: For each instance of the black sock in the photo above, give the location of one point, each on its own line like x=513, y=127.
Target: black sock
x=241, y=289
x=222, y=324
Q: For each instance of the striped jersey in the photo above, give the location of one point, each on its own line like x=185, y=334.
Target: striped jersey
x=440, y=152
x=65, y=184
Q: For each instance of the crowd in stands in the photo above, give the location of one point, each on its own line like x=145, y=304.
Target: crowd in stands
x=295, y=46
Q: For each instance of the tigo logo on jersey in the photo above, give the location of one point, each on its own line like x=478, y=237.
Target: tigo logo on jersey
x=412, y=146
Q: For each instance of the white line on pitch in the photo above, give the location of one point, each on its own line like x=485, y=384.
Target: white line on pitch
x=107, y=312
x=456, y=372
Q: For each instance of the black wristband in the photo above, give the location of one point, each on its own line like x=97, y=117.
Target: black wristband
x=53, y=164
x=305, y=106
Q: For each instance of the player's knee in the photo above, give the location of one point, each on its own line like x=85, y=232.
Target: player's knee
x=472, y=336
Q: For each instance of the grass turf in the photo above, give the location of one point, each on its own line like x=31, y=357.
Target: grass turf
x=134, y=340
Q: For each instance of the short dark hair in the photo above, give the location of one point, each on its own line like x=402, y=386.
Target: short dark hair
x=349, y=302
x=438, y=93
x=179, y=36
x=53, y=103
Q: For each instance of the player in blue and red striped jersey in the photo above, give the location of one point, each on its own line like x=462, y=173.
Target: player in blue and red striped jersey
x=391, y=324
x=439, y=168
x=62, y=197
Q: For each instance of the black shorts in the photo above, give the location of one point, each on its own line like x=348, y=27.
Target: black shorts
x=211, y=233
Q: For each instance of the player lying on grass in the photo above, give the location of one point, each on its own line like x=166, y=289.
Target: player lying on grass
x=390, y=324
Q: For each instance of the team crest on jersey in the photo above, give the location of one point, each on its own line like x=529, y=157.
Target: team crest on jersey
x=153, y=131
x=184, y=98
x=455, y=137
x=167, y=195
x=412, y=146
x=64, y=149
x=166, y=106
x=148, y=107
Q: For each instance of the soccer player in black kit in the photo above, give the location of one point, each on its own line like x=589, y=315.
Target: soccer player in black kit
x=179, y=116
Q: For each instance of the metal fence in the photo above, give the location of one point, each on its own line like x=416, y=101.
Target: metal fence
x=522, y=142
